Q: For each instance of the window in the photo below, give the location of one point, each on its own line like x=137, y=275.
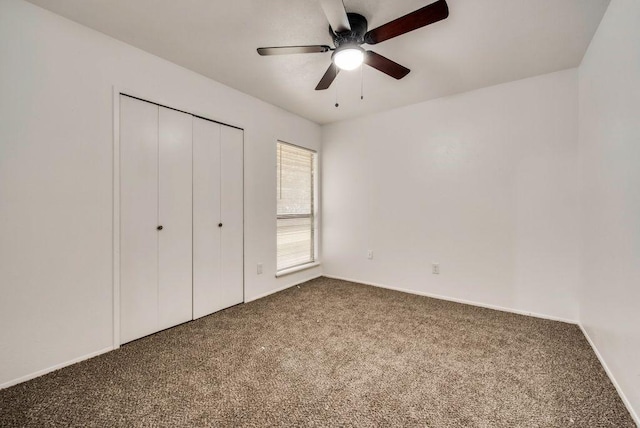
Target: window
x=296, y=206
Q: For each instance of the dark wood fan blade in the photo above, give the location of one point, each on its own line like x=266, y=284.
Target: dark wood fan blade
x=328, y=77
x=336, y=15
x=285, y=50
x=385, y=65
x=417, y=19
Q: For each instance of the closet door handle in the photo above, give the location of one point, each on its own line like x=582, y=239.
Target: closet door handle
x=159, y=228
x=219, y=224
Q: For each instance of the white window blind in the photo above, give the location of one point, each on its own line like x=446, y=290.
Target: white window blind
x=295, y=215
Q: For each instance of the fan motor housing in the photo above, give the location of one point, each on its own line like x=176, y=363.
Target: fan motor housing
x=358, y=25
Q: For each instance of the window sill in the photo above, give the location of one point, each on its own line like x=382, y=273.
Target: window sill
x=295, y=269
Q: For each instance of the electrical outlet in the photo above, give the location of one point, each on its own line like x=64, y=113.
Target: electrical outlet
x=259, y=268
x=435, y=268
x=370, y=254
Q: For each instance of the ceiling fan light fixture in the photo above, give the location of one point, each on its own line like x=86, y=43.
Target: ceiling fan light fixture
x=348, y=57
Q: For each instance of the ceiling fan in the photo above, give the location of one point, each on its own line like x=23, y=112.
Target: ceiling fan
x=349, y=32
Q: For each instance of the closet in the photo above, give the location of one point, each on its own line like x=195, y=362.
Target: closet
x=181, y=217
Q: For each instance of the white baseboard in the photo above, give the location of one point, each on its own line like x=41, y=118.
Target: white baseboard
x=268, y=293
x=615, y=383
x=54, y=368
x=457, y=300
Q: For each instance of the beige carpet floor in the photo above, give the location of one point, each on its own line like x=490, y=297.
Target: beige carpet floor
x=334, y=353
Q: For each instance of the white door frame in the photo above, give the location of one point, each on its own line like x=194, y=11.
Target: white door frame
x=154, y=99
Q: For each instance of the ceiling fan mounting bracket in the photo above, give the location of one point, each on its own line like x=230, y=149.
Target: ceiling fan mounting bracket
x=355, y=36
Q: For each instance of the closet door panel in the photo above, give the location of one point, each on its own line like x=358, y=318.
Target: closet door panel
x=138, y=218
x=174, y=208
x=232, y=195
x=206, y=217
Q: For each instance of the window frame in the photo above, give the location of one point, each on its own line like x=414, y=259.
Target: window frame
x=313, y=214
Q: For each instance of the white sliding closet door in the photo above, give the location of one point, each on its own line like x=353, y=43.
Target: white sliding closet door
x=181, y=217
x=217, y=217
x=138, y=219
x=231, y=189
x=174, y=214
x=206, y=216
x=155, y=218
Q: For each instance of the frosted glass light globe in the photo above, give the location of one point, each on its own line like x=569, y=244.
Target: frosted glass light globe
x=348, y=58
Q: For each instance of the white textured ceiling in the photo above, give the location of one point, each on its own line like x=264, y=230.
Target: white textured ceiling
x=482, y=43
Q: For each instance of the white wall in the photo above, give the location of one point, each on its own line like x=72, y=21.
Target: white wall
x=56, y=143
x=610, y=153
x=485, y=183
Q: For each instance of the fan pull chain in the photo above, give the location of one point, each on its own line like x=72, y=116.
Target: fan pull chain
x=361, y=82
x=336, y=85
